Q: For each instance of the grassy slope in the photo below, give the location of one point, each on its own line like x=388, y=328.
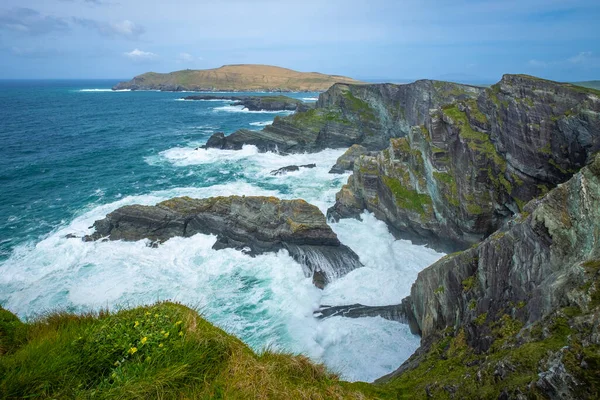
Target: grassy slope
x=160, y=351
x=247, y=77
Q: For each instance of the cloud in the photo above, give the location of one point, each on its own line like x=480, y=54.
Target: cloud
x=186, y=57
x=124, y=29
x=139, y=55
x=34, y=52
x=31, y=22
x=581, y=58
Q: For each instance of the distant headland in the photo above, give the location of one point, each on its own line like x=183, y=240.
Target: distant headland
x=235, y=78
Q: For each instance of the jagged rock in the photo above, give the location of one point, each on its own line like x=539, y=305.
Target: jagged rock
x=256, y=224
x=353, y=114
x=346, y=161
x=291, y=168
x=473, y=164
x=256, y=103
x=392, y=313
x=537, y=262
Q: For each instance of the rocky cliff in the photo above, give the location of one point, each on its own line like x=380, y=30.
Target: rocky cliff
x=352, y=114
x=522, y=307
x=472, y=164
x=253, y=224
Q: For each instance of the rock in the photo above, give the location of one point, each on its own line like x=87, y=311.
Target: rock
x=256, y=103
x=216, y=141
x=535, y=262
x=346, y=161
x=473, y=164
x=392, y=313
x=354, y=114
x=291, y=168
x=260, y=224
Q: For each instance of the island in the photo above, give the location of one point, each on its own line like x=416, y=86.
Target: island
x=235, y=78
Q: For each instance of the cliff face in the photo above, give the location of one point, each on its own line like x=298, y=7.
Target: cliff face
x=518, y=314
x=473, y=164
x=352, y=114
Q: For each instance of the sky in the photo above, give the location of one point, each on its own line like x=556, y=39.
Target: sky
x=464, y=40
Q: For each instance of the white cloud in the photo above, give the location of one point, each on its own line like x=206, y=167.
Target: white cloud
x=537, y=63
x=124, y=29
x=186, y=57
x=581, y=58
x=139, y=55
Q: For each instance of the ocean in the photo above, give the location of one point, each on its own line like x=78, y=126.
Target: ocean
x=73, y=151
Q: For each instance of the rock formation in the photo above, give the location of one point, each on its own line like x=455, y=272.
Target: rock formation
x=256, y=103
x=474, y=163
x=291, y=168
x=345, y=162
x=353, y=114
x=254, y=224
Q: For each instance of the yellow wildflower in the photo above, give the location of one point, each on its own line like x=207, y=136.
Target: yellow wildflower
x=147, y=313
x=163, y=332
x=132, y=350
x=137, y=323
x=178, y=323
x=155, y=315
x=144, y=340
x=160, y=345
x=180, y=333
x=167, y=334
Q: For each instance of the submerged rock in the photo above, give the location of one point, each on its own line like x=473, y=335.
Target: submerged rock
x=291, y=168
x=346, y=161
x=256, y=103
x=255, y=224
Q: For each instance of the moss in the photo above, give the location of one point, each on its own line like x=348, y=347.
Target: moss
x=409, y=199
x=547, y=149
x=472, y=304
x=475, y=112
x=468, y=283
x=451, y=192
x=480, y=320
x=439, y=290
x=360, y=107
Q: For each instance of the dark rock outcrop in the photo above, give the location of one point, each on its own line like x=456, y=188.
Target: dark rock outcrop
x=253, y=224
x=353, y=114
x=473, y=164
x=396, y=312
x=524, y=304
x=345, y=162
x=256, y=103
x=291, y=168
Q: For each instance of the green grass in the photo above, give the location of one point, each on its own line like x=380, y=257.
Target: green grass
x=409, y=199
x=162, y=351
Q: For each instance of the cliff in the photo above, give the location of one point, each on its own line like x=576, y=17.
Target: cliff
x=473, y=163
x=518, y=314
x=351, y=114
x=235, y=78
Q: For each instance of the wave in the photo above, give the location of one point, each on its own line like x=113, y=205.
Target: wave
x=310, y=98
x=104, y=90
x=261, y=123
x=242, y=109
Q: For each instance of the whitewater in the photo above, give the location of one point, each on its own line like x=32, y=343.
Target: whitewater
x=145, y=149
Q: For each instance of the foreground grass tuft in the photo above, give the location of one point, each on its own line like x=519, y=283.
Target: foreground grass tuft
x=162, y=351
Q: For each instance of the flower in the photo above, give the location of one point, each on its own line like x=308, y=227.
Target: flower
x=180, y=333
x=160, y=345
x=167, y=334
x=155, y=315
x=132, y=350
x=137, y=323
x=178, y=323
x=144, y=340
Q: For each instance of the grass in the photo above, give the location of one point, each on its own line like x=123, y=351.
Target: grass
x=409, y=199
x=162, y=351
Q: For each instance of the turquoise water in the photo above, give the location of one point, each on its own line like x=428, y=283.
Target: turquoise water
x=72, y=151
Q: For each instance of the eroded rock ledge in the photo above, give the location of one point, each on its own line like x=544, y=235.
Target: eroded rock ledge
x=255, y=224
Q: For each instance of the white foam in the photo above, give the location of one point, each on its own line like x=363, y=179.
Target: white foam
x=104, y=90
x=391, y=266
x=261, y=123
x=310, y=98
x=242, y=109
x=266, y=301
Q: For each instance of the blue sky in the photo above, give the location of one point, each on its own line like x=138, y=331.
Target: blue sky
x=456, y=40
